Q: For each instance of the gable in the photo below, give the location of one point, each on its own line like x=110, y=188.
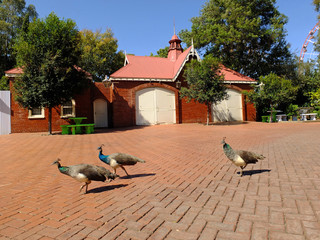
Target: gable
x=140, y=68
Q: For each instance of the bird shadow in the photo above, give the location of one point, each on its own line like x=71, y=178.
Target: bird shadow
x=252, y=172
x=138, y=175
x=106, y=188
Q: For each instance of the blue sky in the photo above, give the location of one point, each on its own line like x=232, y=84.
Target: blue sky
x=145, y=26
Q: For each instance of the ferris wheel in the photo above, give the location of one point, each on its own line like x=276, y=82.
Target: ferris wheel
x=308, y=52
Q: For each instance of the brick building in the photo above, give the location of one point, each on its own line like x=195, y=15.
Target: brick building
x=145, y=91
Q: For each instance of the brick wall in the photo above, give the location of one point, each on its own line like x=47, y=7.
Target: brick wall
x=121, y=107
x=84, y=108
x=192, y=112
x=124, y=104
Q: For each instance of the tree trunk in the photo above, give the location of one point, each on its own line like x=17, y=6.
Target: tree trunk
x=208, y=113
x=271, y=112
x=50, y=121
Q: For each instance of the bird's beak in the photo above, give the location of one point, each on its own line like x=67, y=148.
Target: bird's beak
x=56, y=161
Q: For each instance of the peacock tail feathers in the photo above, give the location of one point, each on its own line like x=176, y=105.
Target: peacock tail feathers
x=125, y=159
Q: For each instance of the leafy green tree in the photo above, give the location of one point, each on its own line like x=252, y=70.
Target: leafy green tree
x=12, y=15
x=162, y=52
x=316, y=3
x=4, y=83
x=272, y=92
x=246, y=35
x=205, y=84
x=49, y=52
x=99, y=53
x=308, y=80
x=314, y=98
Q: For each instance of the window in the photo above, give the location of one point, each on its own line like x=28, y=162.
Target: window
x=68, y=109
x=36, y=112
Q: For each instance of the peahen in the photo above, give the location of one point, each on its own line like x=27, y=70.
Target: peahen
x=240, y=158
x=116, y=160
x=86, y=173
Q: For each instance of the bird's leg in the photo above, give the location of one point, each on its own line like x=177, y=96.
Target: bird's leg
x=124, y=170
x=108, y=180
x=82, y=186
x=241, y=174
x=87, y=187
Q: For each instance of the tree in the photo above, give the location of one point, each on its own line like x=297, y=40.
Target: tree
x=308, y=80
x=48, y=51
x=205, y=84
x=99, y=53
x=162, y=52
x=316, y=3
x=4, y=83
x=272, y=92
x=12, y=15
x=246, y=35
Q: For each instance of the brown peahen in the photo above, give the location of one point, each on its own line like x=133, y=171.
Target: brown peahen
x=240, y=158
x=86, y=173
x=116, y=160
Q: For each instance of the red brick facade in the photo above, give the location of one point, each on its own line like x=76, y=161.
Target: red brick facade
x=121, y=107
x=186, y=112
x=20, y=122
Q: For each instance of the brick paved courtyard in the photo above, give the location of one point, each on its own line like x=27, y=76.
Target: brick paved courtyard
x=187, y=189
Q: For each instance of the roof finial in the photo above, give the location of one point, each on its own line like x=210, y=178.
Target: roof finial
x=125, y=57
x=174, y=27
x=192, y=46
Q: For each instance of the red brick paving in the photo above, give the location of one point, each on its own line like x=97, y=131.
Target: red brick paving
x=187, y=189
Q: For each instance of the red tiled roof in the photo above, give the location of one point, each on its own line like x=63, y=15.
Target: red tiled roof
x=145, y=67
x=150, y=68
x=19, y=70
x=175, y=37
x=231, y=75
x=139, y=67
x=14, y=71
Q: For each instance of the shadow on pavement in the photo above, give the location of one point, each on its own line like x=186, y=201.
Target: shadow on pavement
x=106, y=188
x=252, y=172
x=138, y=175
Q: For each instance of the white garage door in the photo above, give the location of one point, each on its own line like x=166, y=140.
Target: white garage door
x=155, y=106
x=230, y=109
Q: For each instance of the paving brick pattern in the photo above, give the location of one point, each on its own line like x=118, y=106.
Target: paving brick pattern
x=187, y=189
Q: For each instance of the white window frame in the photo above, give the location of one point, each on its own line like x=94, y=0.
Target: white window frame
x=31, y=116
x=73, y=114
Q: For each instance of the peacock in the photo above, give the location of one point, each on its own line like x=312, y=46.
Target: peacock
x=240, y=158
x=116, y=160
x=86, y=173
